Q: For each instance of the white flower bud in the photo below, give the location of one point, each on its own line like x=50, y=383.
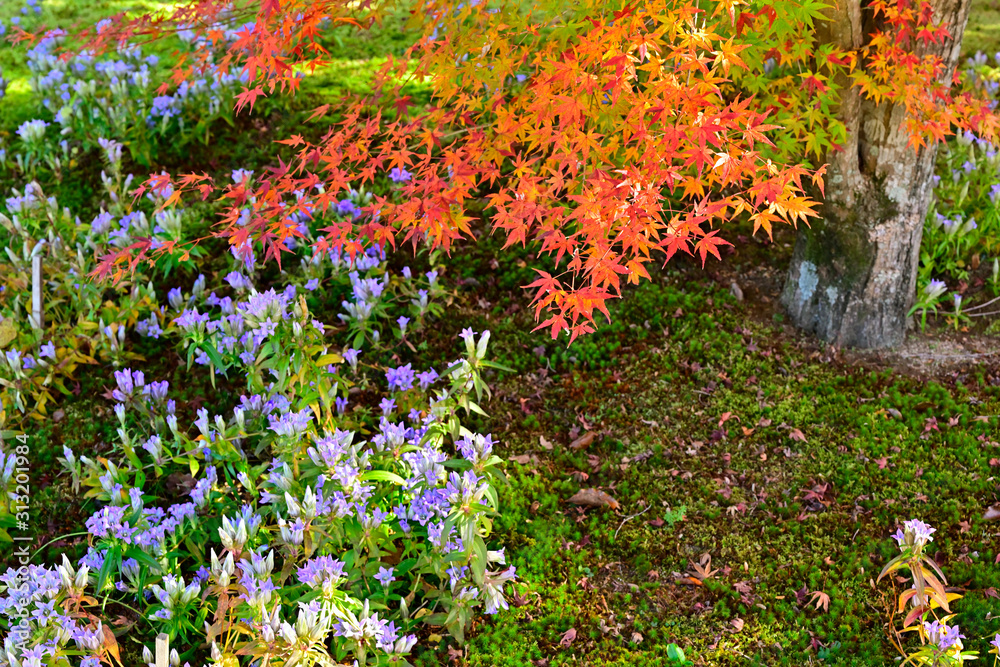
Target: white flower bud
x=288, y=633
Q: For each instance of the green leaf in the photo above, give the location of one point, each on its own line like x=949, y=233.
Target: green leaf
x=675, y=653
x=383, y=476
x=141, y=556
x=111, y=563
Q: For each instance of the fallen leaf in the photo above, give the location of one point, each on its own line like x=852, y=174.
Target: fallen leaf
x=636, y=638
x=594, y=498
x=111, y=644
x=882, y=462
x=991, y=593
x=703, y=569
x=689, y=581
x=546, y=445
x=981, y=418
x=992, y=513
x=656, y=523
x=964, y=527
x=584, y=441
x=568, y=637
x=820, y=599
x=524, y=459
x=737, y=624
x=796, y=434
x=747, y=431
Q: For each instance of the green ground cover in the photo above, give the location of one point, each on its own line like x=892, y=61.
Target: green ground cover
x=750, y=467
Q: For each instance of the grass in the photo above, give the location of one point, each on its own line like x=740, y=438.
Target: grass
x=983, y=28
x=746, y=494
x=717, y=432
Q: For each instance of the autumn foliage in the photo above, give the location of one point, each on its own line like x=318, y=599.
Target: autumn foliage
x=609, y=138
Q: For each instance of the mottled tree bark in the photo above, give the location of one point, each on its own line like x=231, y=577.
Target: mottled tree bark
x=853, y=272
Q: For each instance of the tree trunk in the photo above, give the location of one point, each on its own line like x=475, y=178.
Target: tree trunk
x=854, y=271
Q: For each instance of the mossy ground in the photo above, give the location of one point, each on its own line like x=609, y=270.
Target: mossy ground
x=717, y=430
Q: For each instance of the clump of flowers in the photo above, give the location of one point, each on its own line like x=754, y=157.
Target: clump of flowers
x=82, y=325
x=332, y=528
x=941, y=644
x=93, y=97
x=927, y=300
x=962, y=227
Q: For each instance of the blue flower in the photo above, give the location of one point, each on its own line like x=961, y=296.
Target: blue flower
x=384, y=576
x=398, y=175
x=401, y=378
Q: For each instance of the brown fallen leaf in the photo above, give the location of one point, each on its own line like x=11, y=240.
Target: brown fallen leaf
x=991, y=593
x=524, y=459
x=796, y=434
x=821, y=599
x=737, y=624
x=568, y=637
x=637, y=638
x=546, y=445
x=584, y=441
x=111, y=644
x=594, y=498
x=964, y=526
x=703, y=569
